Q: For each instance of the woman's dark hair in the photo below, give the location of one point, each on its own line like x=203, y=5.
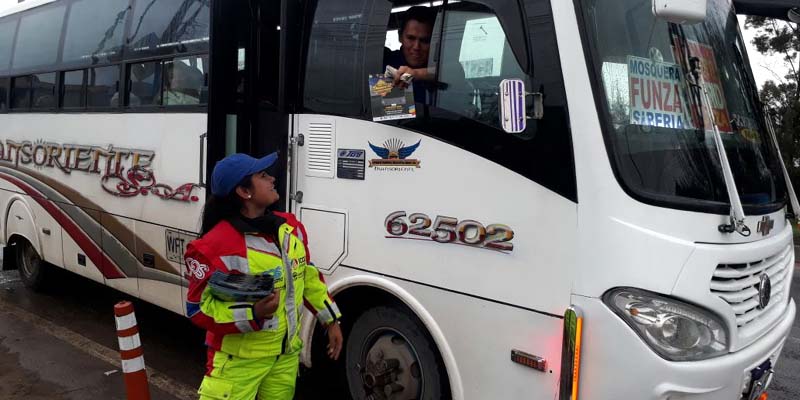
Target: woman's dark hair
x=220, y=208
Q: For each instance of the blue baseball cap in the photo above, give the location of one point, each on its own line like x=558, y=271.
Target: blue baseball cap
x=229, y=171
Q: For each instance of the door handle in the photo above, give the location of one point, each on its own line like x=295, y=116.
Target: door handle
x=202, y=168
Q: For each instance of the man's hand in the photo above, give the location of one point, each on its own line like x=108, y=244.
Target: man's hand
x=416, y=73
x=335, y=340
x=267, y=306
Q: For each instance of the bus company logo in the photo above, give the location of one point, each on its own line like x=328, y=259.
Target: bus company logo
x=354, y=154
x=123, y=172
x=764, y=291
x=394, y=156
x=765, y=225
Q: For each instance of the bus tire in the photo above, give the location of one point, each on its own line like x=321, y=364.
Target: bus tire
x=33, y=271
x=390, y=356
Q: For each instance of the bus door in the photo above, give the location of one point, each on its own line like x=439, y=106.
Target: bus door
x=245, y=109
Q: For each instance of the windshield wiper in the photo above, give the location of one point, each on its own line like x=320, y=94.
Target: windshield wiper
x=697, y=82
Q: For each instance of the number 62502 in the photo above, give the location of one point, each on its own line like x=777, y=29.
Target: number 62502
x=450, y=230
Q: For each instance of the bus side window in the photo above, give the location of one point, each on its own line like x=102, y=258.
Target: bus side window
x=21, y=93
x=3, y=94
x=334, y=83
x=186, y=81
x=44, y=91
x=168, y=27
x=95, y=31
x=144, y=87
x=474, y=46
x=7, y=30
x=73, y=92
x=38, y=38
x=102, y=86
x=475, y=57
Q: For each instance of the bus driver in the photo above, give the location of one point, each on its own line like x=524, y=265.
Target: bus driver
x=412, y=57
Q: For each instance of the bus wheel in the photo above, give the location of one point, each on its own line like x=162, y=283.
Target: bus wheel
x=390, y=356
x=33, y=270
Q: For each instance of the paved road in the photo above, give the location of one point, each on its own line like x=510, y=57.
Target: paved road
x=62, y=345
x=786, y=386
x=72, y=325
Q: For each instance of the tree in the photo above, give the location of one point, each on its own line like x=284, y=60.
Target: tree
x=782, y=96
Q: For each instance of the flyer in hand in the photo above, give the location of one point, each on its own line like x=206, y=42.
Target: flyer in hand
x=240, y=287
x=389, y=101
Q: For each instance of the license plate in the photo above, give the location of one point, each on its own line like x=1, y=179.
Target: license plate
x=760, y=378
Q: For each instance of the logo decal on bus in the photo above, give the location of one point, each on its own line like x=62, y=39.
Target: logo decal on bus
x=141, y=181
x=394, y=156
x=124, y=172
x=466, y=232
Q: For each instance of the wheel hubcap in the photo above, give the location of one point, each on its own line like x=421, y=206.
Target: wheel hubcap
x=29, y=260
x=389, y=367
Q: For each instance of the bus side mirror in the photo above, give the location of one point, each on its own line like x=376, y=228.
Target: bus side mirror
x=514, y=106
x=680, y=11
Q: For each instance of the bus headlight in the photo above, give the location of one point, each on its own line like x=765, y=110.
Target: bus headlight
x=676, y=330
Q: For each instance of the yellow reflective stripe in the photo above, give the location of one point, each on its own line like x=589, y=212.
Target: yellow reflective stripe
x=324, y=315
x=291, y=309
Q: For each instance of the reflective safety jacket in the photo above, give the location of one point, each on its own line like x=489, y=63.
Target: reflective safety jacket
x=232, y=327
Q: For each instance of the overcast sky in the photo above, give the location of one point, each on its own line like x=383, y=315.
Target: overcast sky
x=764, y=68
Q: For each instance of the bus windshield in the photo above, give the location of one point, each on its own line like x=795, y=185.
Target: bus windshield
x=658, y=127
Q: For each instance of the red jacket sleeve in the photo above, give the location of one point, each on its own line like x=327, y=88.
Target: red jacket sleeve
x=206, y=311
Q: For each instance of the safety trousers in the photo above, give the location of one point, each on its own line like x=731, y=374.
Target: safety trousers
x=234, y=378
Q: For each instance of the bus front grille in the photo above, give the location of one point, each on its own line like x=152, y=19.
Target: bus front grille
x=738, y=285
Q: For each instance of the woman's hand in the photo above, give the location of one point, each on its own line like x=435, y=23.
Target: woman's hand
x=266, y=307
x=335, y=340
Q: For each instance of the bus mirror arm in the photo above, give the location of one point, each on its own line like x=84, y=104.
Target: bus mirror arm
x=538, y=105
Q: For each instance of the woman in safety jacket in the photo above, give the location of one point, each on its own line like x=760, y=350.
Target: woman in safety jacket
x=253, y=348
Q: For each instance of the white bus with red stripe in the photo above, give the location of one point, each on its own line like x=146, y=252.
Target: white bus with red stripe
x=572, y=193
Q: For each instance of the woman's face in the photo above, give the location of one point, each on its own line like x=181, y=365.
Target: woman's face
x=263, y=190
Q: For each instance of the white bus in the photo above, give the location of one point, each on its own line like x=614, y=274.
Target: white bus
x=548, y=214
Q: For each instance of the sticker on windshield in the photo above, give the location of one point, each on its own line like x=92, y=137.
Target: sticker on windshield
x=656, y=94
x=746, y=126
x=713, y=82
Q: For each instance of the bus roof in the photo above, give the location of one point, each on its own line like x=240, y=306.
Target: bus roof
x=25, y=5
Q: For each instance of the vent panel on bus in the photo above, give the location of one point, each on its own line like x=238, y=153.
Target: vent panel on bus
x=319, y=144
x=738, y=284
